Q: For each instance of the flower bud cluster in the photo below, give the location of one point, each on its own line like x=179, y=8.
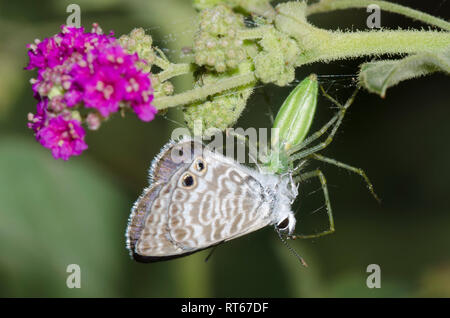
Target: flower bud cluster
x=275, y=63
x=216, y=44
x=221, y=111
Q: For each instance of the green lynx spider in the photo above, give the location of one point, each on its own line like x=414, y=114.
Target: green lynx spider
x=300, y=154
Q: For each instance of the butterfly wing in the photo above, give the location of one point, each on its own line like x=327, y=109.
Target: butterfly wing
x=148, y=220
x=192, y=205
x=223, y=202
x=146, y=234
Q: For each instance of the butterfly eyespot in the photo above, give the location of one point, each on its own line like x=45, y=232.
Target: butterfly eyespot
x=180, y=152
x=283, y=224
x=200, y=165
x=188, y=181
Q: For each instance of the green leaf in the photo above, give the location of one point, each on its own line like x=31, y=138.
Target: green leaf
x=378, y=76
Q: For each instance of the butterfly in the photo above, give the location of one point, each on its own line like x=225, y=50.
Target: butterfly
x=199, y=198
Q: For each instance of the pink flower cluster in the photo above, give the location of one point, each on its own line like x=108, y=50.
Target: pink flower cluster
x=79, y=69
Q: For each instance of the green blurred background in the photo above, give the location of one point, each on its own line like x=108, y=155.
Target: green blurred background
x=55, y=213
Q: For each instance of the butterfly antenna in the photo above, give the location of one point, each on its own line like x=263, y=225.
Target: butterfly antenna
x=210, y=253
x=291, y=249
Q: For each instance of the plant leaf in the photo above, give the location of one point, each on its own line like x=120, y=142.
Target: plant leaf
x=378, y=76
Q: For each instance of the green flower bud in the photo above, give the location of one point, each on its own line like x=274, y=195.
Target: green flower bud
x=56, y=90
x=140, y=43
x=216, y=45
x=261, y=7
x=275, y=63
x=220, y=111
x=271, y=68
x=160, y=89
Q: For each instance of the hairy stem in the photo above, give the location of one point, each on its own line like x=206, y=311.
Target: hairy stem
x=202, y=92
x=340, y=45
x=254, y=33
x=323, y=45
x=161, y=63
x=174, y=70
x=331, y=5
x=317, y=45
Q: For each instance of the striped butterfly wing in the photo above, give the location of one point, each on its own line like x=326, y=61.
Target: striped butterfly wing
x=195, y=204
x=215, y=200
x=146, y=231
x=148, y=221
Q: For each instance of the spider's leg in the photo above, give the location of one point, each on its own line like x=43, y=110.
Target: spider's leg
x=347, y=167
x=317, y=173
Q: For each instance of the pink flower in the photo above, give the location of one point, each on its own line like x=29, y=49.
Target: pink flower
x=38, y=120
x=144, y=111
x=44, y=54
x=73, y=97
x=137, y=85
x=64, y=137
x=83, y=69
x=104, y=91
x=90, y=67
x=114, y=55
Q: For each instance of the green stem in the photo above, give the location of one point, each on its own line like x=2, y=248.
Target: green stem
x=254, y=33
x=161, y=63
x=340, y=45
x=202, y=92
x=331, y=5
x=323, y=45
x=317, y=44
x=174, y=70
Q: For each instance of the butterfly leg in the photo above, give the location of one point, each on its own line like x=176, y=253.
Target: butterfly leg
x=347, y=167
x=318, y=174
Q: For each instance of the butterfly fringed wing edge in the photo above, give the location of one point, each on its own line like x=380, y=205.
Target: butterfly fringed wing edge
x=160, y=163
x=137, y=217
x=159, y=173
x=149, y=236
